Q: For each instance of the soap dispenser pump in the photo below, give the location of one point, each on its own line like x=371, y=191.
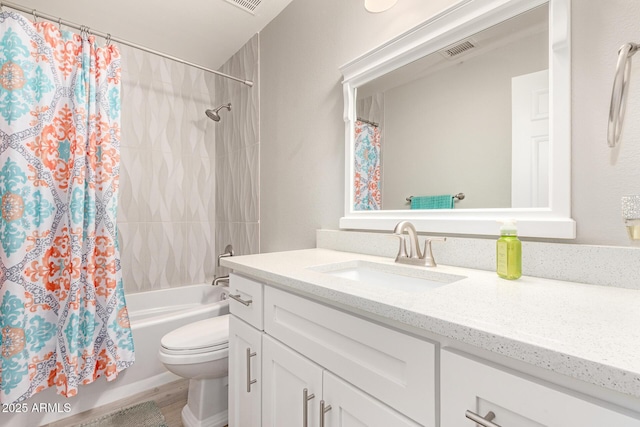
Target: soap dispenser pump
x=509, y=251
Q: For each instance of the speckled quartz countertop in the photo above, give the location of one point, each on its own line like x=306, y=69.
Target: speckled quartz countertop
x=587, y=332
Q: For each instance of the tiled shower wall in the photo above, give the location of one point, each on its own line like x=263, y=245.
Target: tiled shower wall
x=238, y=155
x=167, y=191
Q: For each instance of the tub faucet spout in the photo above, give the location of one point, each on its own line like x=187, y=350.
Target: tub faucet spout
x=218, y=280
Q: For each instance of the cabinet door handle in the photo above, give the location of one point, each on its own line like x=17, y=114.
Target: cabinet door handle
x=240, y=300
x=483, y=421
x=249, y=380
x=323, y=410
x=306, y=397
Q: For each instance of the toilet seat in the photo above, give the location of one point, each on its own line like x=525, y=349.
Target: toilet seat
x=199, y=352
x=205, y=336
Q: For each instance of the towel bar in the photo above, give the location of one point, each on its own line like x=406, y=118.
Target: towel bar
x=459, y=196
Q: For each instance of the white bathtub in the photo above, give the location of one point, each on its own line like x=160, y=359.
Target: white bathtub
x=152, y=315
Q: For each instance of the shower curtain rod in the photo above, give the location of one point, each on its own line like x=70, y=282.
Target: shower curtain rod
x=108, y=37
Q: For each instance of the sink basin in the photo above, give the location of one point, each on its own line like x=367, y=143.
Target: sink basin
x=389, y=276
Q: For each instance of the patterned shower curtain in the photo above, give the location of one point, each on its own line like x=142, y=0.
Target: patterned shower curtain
x=64, y=320
x=367, y=167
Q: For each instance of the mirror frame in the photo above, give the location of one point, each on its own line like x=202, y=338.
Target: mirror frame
x=462, y=20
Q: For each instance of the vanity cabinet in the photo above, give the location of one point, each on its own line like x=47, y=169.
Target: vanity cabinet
x=367, y=373
x=304, y=352
x=471, y=385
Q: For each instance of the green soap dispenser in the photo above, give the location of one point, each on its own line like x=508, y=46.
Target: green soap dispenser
x=509, y=251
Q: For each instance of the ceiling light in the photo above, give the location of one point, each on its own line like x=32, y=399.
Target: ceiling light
x=375, y=6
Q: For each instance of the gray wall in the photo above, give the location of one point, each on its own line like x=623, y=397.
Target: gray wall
x=301, y=125
x=601, y=176
x=302, y=129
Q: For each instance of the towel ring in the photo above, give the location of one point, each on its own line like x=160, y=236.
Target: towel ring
x=619, y=92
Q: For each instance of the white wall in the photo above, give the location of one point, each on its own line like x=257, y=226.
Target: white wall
x=302, y=130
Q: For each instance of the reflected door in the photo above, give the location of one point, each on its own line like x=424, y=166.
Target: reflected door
x=530, y=140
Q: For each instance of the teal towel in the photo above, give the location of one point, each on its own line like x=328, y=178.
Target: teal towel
x=444, y=201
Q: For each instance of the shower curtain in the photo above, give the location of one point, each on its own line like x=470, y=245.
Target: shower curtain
x=63, y=319
x=367, y=167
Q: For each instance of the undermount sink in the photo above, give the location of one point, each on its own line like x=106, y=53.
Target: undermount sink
x=389, y=276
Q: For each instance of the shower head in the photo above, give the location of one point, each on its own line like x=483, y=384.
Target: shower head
x=213, y=114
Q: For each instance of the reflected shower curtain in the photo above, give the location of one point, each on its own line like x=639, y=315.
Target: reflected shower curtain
x=64, y=320
x=367, y=167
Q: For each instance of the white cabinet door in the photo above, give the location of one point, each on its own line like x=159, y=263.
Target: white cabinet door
x=245, y=370
x=351, y=407
x=468, y=384
x=285, y=377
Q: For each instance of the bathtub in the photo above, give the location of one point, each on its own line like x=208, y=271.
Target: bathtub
x=152, y=315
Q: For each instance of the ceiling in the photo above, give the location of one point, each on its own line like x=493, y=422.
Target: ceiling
x=206, y=32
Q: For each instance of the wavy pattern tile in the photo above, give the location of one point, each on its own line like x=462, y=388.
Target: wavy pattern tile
x=166, y=213
x=245, y=237
x=188, y=185
x=237, y=197
x=240, y=128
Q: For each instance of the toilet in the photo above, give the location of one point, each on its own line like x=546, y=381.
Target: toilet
x=199, y=351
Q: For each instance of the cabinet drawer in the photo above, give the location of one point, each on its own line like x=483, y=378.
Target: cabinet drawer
x=395, y=368
x=250, y=292
x=473, y=385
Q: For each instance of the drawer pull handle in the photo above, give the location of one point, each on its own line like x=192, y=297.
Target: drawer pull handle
x=483, y=421
x=240, y=300
x=249, y=380
x=323, y=410
x=306, y=397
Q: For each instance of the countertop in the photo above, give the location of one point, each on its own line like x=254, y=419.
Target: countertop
x=587, y=332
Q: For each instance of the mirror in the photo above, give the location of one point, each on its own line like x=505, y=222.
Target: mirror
x=460, y=120
x=454, y=116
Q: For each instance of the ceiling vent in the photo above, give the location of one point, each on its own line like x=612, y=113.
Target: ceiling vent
x=247, y=5
x=457, y=49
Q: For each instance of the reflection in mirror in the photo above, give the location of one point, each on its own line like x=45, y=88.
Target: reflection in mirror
x=471, y=118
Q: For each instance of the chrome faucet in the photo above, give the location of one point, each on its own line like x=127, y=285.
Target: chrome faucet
x=217, y=280
x=414, y=256
x=228, y=251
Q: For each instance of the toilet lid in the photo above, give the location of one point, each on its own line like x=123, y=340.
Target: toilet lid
x=204, y=335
